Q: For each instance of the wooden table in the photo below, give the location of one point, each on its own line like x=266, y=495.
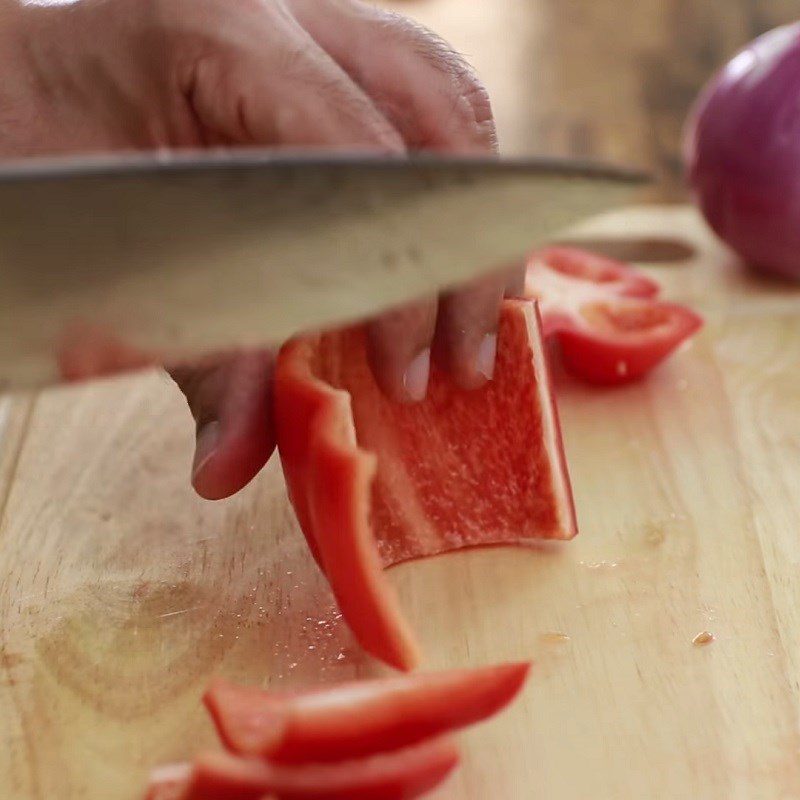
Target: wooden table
x=120, y=592
x=611, y=79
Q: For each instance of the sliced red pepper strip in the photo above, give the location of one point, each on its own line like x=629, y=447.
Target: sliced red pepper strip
x=400, y=775
x=605, y=315
x=360, y=718
x=457, y=470
x=329, y=480
x=614, y=277
x=300, y=398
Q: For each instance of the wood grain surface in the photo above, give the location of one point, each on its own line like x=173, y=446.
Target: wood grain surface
x=611, y=79
x=121, y=592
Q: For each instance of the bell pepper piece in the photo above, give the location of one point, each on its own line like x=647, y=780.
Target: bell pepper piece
x=329, y=480
x=375, y=482
x=401, y=775
x=359, y=718
x=606, y=317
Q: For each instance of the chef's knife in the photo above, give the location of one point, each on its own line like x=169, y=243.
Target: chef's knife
x=194, y=253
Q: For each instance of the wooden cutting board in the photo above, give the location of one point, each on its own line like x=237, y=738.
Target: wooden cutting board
x=122, y=593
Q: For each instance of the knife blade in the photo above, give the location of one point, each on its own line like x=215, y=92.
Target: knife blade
x=197, y=253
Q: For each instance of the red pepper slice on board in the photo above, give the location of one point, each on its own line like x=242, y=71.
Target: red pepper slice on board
x=359, y=718
x=400, y=775
x=606, y=317
x=375, y=482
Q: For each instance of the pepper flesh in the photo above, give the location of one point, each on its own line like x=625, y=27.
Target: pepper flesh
x=360, y=718
x=605, y=315
x=375, y=482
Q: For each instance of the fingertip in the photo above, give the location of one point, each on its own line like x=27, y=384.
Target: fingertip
x=230, y=398
x=230, y=464
x=205, y=450
x=471, y=365
x=399, y=349
x=415, y=378
x=466, y=335
x=207, y=441
x=486, y=356
x=209, y=485
x=402, y=379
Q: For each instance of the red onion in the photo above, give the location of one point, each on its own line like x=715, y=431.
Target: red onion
x=742, y=151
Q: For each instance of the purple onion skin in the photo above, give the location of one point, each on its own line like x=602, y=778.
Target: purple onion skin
x=742, y=151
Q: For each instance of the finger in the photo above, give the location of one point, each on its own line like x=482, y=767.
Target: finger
x=400, y=350
x=466, y=329
x=427, y=90
x=278, y=87
x=515, y=280
x=230, y=399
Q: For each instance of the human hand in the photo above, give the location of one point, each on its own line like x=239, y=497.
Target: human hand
x=102, y=75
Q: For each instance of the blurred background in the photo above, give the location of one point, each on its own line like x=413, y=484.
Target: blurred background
x=606, y=79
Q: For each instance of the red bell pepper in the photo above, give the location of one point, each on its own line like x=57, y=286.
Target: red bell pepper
x=329, y=481
x=605, y=315
x=374, y=482
x=400, y=775
x=361, y=718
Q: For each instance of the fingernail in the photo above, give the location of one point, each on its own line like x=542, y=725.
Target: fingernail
x=207, y=441
x=415, y=380
x=487, y=351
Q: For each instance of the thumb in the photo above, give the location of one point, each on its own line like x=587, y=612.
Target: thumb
x=230, y=397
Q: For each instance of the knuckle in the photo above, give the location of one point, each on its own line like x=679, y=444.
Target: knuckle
x=356, y=112
x=293, y=61
x=322, y=84
x=470, y=100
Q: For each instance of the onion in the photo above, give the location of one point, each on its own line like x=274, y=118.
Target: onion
x=742, y=151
